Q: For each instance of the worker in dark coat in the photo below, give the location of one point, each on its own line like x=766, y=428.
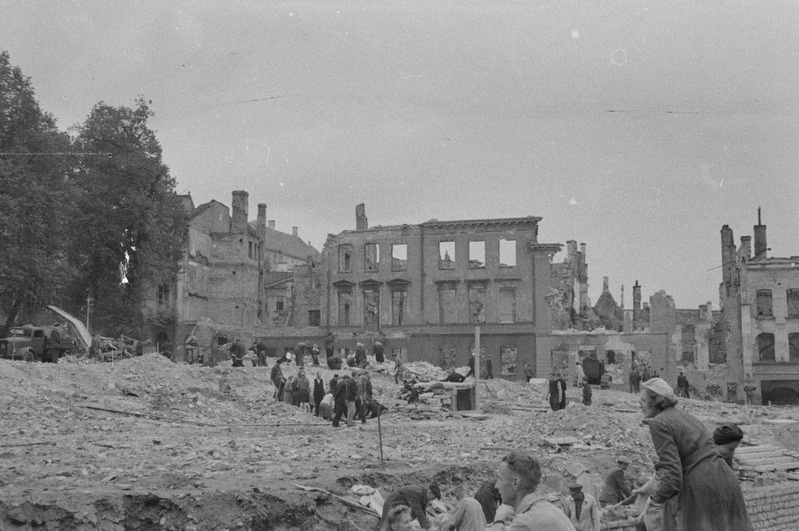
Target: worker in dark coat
x=378, y=350
x=415, y=497
x=332, y=385
x=237, y=352
x=562, y=382
x=277, y=379
x=710, y=496
x=340, y=400
x=318, y=392
x=616, y=487
x=727, y=437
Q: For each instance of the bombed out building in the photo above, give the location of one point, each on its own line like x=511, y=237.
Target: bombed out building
x=421, y=289
x=760, y=306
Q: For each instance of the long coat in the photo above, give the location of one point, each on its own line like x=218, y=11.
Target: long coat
x=709, y=495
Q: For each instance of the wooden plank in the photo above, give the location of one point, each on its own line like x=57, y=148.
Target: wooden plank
x=754, y=457
x=755, y=449
x=769, y=461
x=780, y=466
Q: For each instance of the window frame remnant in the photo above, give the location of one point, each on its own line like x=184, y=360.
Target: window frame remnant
x=345, y=258
x=477, y=254
x=765, y=347
x=509, y=360
x=764, y=303
x=509, y=252
x=399, y=257
x=504, y=291
x=163, y=297
x=344, y=306
x=447, y=302
x=371, y=257
x=792, y=302
x=445, y=260
x=477, y=302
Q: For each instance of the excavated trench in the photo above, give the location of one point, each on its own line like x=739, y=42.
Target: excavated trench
x=282, y=510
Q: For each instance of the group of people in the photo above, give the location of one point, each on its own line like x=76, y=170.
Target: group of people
x=692, y=486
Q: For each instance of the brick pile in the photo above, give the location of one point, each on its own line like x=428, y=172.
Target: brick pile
x=435, y=404
x=774, y=507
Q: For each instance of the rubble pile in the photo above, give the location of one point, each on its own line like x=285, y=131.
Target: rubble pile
x=433, y=404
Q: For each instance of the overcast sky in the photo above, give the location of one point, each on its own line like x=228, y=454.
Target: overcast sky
x=637, y=127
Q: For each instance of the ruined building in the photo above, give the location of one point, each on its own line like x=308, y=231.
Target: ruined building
x=759, y=298
x=219, y=292
x=422, y=288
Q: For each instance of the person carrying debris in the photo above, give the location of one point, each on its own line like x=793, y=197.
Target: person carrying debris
x=710, y=496
x=582, y=509
x=414, y=497
x=523, y=508
x=616, y=486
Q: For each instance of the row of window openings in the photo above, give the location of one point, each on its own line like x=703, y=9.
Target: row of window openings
x=766, y=351
x=447, y=307
x=446, y=256
x=765, y=303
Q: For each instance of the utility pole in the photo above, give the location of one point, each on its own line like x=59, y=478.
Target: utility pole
x=89, y=300
x=477, y=367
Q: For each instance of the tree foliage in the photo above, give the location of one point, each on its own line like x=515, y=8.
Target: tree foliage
x=129, y=214
x=74, y=211
x=35, y=199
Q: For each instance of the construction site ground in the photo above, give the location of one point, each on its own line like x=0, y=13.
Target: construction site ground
x=146, y=443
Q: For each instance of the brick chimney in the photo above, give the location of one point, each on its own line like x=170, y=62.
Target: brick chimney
x=240, y=200
x=272, y=224
x=636, y=297
x=605, y=284
x=295, y=231
x=261, y=220
x=361, y=221
x=761, y=247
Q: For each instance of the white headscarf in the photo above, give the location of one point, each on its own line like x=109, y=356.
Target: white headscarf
x=661, y=387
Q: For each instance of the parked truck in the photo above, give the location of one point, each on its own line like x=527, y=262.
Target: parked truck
x=36, y=343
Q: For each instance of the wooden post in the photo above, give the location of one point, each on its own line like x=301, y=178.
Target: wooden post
x=477, y=367
x=380, y=435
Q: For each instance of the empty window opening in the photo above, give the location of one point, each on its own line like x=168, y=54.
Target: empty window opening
x=399, y=257
x=314, y=317
x=793, y=302
x=371, y=257
x=345, y=258
x=507, y=305
x=280, y=304
x=399, y=307
x=446, y=255
x=507, y=253
x=765, y=347
x=793, y=347
x=344, y=305
x=250, y=250
x=508, y=357
x=477, y=254
x=163, y=296
x=371, y=309
x=477, y=302
x=447, y=304
x=764, y=303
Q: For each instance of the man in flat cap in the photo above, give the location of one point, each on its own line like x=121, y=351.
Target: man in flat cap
x=727, y=437
x=582, y=509
x=616, y=487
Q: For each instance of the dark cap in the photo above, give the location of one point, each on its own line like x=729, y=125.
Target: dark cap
x=727, y=433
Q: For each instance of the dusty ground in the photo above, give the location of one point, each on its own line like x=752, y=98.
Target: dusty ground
x=178, y=454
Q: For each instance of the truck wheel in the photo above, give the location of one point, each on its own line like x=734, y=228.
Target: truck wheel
x=29, y=356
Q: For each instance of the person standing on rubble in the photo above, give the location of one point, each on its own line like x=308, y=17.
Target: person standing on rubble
x=616, y=486
x=378, y=350
x=554, y=392
x=523, y=508
x=398, y=368
x=340, y=400
x=562, y=381
x=587, y=392
x=315, y=354
x=330, y=344
x=415, y=497
x=303, y=392
x=578, y=368
x=710, y=496
x=683, y=386
x=360, y=356
x=260, y=350
x=277, y=379
x=318, y=392
x=528, y=372
x=364, y=397
x=352, y=395
x=635, y=380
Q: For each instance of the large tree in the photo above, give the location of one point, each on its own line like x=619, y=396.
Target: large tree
x=133, y=228
x=35, y=199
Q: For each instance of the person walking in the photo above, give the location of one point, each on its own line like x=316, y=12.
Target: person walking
x=318, y=392
x=689, y=466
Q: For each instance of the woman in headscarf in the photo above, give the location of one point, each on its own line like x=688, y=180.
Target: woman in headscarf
x=690, y=468
x=727, y=437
